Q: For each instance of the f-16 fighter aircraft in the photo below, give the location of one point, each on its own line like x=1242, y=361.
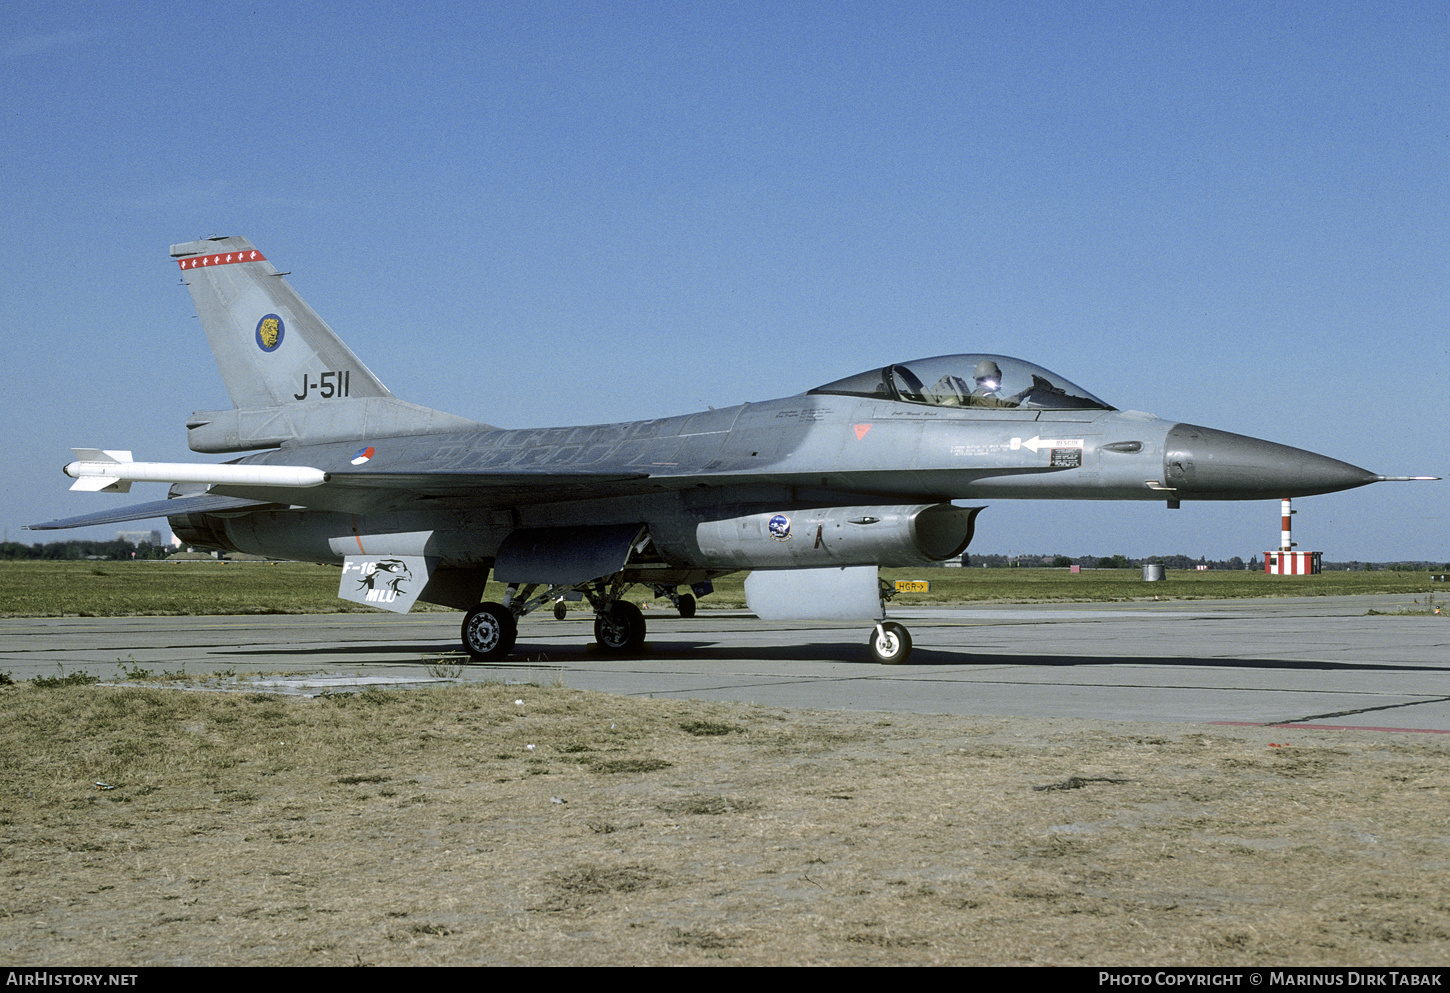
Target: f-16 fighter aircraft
x=812, y=493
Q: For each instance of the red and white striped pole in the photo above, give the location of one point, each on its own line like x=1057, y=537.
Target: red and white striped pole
x=1285, y=542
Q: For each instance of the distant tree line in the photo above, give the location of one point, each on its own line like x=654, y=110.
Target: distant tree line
x=1104, y=562
x=1254, y=563
x=73, y=550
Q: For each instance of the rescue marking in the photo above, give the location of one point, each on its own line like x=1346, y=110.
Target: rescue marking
x=1037, y=444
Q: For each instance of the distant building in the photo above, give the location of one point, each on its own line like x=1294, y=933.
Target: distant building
x=141, y=537
x=1289, y=563
x=1284, y=561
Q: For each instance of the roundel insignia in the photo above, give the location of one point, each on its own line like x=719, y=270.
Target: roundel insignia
x=780, y=527
x=269, y=332
x=362, y=455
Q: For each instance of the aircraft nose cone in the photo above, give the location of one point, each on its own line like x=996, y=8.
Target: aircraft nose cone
x=1205, y=464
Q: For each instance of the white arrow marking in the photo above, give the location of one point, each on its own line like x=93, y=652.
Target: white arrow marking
x=1037, y=444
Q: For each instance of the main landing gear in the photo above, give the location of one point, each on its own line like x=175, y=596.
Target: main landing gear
x=489, y=632
x=683, y=602
x=490, y=629
x=619, y=628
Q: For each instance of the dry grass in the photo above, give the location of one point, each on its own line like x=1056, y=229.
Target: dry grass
x=461, y=826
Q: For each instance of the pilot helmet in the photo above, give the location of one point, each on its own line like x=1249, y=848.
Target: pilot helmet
x=988, y=374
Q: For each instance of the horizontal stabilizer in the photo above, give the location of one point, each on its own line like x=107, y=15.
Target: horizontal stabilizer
x=205, y=504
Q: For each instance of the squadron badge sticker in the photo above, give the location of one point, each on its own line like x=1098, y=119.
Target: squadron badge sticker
x=780, y=527
x=269, y=332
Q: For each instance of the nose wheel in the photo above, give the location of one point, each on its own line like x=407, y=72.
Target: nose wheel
x=890, y=643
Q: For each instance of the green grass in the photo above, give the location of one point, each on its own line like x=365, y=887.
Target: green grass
x=1048, y=585
x=120, y=589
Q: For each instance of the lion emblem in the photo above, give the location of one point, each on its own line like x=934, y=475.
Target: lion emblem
x=269, y=333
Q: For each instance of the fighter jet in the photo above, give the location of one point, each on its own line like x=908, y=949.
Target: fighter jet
x=810, y=493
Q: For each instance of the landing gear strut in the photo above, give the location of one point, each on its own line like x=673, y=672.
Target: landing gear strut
x=684, y=602
x=890, y=642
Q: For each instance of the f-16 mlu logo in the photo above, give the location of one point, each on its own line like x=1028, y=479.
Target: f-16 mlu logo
x=392, y=582
x=383, y=580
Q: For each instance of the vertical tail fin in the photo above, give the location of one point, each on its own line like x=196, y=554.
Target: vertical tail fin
x=271, y=347
x=290, y=378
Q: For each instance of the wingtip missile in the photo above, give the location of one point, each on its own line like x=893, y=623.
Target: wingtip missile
x=114, y=472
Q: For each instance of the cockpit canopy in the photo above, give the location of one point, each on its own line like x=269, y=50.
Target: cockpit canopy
x=968, y=381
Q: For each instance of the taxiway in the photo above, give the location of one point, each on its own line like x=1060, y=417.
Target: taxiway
x=1311, y=661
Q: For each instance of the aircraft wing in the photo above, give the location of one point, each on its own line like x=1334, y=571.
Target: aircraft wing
x=377, y=492
x=350, y=492
x=235, y=488
x=492, y=489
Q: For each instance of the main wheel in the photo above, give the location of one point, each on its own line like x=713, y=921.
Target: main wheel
x=619, y=628
x=489, y=632
x=687, y=605
x=560, y=610
x=891, y=644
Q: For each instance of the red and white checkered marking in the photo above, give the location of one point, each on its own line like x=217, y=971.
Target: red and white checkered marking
x=225, y=258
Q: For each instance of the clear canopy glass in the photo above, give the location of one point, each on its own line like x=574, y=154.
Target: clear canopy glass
x=968, y=381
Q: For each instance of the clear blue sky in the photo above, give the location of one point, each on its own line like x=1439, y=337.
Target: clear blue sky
x=1233, y=214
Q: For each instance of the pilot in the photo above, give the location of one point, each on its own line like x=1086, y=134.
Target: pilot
x=949, y=391
x=989, y=382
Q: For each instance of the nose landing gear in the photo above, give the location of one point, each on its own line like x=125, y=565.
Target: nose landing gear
x=890, y=643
